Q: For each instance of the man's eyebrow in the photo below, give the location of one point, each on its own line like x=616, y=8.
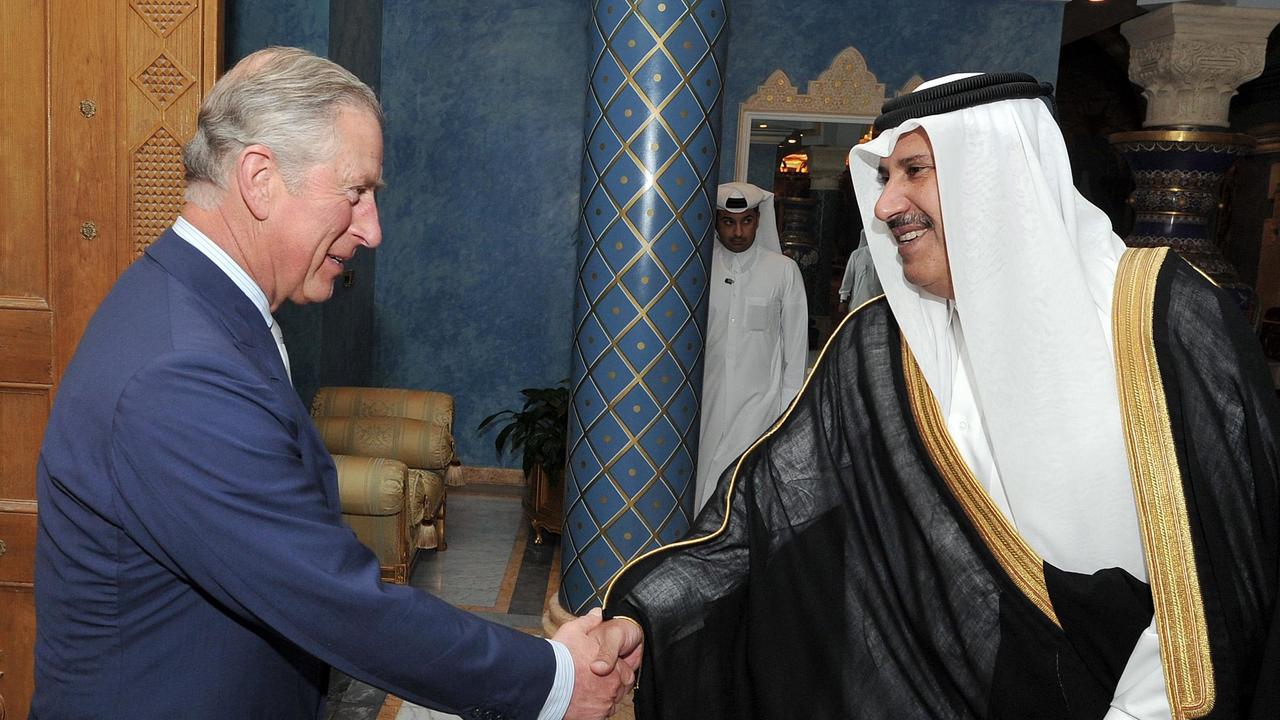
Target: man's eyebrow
x=915, y=159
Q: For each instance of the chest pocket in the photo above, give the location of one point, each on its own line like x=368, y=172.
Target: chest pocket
x=762, y=313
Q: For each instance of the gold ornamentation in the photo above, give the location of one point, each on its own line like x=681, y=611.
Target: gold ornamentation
x=1157, y=489
x=157, y=177
x=88, y=230
x=88, y=108
x=847, y=87
x=1023, y=566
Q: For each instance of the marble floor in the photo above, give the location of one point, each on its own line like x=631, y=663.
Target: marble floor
x=492, y=568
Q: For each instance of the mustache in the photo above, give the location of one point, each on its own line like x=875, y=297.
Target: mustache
x=920, y=219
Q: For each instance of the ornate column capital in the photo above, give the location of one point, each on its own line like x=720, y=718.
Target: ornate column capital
x=1190, y=58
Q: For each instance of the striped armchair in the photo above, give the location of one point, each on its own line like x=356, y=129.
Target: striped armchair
x=393, y=449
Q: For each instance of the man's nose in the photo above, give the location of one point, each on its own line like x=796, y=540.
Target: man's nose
x=366, y=226
x=892, y=202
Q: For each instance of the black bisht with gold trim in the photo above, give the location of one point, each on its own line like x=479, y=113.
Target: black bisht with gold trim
x=850, y=566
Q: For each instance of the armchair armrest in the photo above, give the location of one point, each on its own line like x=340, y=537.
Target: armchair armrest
x=371, y=485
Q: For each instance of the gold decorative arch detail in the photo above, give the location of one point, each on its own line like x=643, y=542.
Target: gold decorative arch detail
x=845, y=88
x=910, y=85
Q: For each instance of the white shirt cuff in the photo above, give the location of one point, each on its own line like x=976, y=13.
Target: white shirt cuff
x=562, y=688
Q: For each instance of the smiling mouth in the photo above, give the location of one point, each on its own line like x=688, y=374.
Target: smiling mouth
x=907, y=237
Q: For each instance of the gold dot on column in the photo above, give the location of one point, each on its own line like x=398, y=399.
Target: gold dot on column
x=594, y=276
x=688, y=346
x=624, y=180
x=601, y=146
x=649, y=212
x=665, y=379
x=626, y=536
x=669, y=313
x=613, y=374
x=626, y=113
x=635, y=408
x=615, y=310
x=610, y=11
x=607, y=438
x=631, y=472
x=618, y=245
x=640, y=346
x=600, y=562
x=656, y=504
x=705, y=150
x=591, y=339
x=604, y=500
x=644, y=279
x=657, y=77
x=684, y=113
x=679, y=181
x=598, y=211
x=675, y=247
x=662, y=7
x=605, y=78
x=653, y=147
x=631, y=43
x=708, y=82
x=662, y=441
x=688, y=44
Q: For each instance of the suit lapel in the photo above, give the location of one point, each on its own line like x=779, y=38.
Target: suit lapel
x=225, y=301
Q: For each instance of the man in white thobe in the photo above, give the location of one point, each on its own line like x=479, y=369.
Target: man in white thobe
x=757, y=332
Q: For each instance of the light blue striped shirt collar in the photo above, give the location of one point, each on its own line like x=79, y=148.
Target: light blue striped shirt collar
x=210, y=249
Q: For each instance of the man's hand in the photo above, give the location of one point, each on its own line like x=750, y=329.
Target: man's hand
x=620, y=639
x=596, y=694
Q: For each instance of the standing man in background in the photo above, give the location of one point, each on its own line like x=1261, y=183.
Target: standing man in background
x=757, y=332
x=191, y=560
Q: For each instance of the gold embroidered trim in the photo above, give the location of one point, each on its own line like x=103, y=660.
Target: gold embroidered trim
x=1157, y=490
x=733, y=481
x=1023, y=566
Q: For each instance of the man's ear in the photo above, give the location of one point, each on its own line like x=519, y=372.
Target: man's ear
x=255, y=168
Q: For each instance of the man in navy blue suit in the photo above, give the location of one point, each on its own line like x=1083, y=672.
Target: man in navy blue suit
x=191, y=559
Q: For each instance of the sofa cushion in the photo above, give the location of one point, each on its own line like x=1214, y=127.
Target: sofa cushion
x=425, y=405
x=416, y=443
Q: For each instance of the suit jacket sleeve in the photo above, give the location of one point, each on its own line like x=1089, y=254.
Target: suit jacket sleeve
x=210, y=475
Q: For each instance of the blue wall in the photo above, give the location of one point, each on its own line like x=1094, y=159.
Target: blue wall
x=254, y=24
x=485, y=106
x=898, y=39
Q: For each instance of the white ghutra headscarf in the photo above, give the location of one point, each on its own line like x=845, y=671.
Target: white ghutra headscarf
x=1033, y=266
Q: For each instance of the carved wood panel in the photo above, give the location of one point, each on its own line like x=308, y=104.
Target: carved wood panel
x=99, y=96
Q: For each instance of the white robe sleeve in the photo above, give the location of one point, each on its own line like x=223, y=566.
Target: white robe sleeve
x=1140, y=693
x=795, y=333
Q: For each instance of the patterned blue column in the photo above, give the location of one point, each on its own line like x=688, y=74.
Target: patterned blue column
x=648, y=189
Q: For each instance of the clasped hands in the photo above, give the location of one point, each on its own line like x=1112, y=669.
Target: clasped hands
x=606, y=657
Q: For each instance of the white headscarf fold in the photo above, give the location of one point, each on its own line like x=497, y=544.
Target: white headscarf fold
x=1033, y=266
x=767, y=227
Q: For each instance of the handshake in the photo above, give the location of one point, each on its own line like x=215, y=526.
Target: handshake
x=606, y=659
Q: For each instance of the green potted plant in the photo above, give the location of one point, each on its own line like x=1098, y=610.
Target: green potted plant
x=540, y=431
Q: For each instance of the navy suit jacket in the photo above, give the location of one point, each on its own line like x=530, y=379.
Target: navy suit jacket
x=191, y=560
